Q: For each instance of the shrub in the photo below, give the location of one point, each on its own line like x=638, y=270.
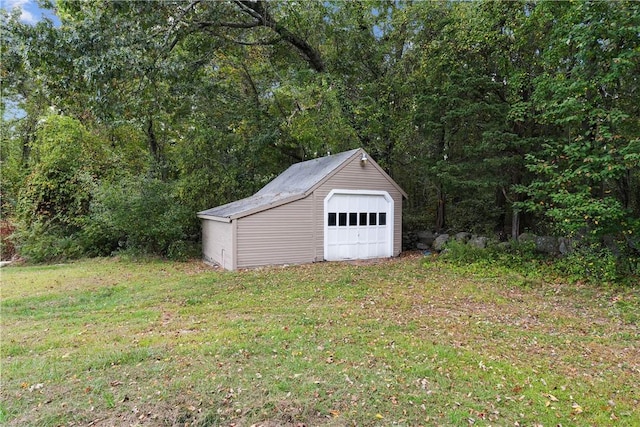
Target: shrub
x=141, y=216
x=498, y=259
x=590, y=263
x=7, y=248
x=182, y=250
x=511, y=254
x=44, y=242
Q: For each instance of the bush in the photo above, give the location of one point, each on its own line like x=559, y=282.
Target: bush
x=182, y=250
x=43, y=242
x=512, y=254
x=57, y=190
x=141, y=216
x=590, y=263
x=497, y=259
x=7, y=248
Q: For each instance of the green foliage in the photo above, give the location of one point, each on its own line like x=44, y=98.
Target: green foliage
x=46, y=242
x=57, y=153
x=184, y=250
x=13, y=173
x=583, y=174
x=141, y=216
x=590, y=263
x=57, y=191
x=571, y=197
x=498, y=258
x=53, y=200
x=587, y=262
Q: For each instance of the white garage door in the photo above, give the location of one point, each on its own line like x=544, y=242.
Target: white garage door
x=358, y=225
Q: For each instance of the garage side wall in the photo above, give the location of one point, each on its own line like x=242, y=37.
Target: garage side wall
x=281, y=235
x=354, y=176
x=217, y=243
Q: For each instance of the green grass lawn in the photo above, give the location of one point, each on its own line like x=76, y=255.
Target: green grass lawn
x=408, y=341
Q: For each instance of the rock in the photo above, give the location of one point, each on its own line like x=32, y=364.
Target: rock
x=478, y=242
x=504, y=246
x=426, y=237
x=421, y=246
x=544, y=244
x=610, y=243
x=440, y=241
x=463, y=237
x=547, y=244
x=566, y=245
x=527, y=237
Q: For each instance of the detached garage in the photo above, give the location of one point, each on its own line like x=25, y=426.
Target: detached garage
x=338, y=207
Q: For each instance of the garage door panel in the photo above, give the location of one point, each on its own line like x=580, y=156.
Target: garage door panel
x=358, y=225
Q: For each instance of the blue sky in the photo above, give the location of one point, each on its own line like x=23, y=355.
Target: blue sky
x=30, y=11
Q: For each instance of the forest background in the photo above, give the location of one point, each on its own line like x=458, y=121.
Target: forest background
x=496, y=117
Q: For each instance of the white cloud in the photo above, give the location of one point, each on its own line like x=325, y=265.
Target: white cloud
x=25, y=15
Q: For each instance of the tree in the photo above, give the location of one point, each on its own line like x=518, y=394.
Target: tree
x=53, y=203
x=23, y=49
x=589, y=94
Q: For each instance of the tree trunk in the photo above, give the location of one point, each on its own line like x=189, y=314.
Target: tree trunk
x=27, y=139
x=501, y=204
x=26, y=149
x=625, y=189
x=440, y=213
x=155, y=150
x=515, y=224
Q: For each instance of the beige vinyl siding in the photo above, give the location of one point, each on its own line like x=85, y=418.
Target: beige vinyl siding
x=354, y=176
x=281, y=235
x=217, y=243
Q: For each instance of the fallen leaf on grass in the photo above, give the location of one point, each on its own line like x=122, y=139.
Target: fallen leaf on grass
x=577, y=409
x=36, y=387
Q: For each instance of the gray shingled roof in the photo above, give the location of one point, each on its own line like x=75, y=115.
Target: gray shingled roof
x=294, y=183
